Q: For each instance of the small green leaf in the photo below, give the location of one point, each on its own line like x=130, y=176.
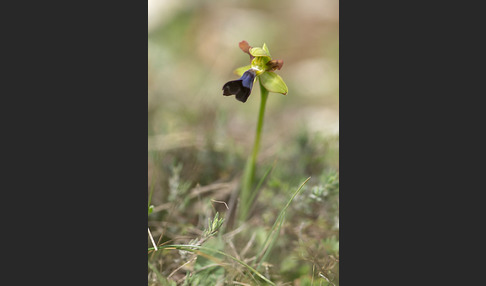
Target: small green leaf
x=258, y=52
x=241, y=70
x=273, y=82
x=266, y=49
x=150, y=209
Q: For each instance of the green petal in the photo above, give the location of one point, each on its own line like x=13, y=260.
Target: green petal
x=273, y=82
x=258, y=52
x=265, y=48
x=241, y=70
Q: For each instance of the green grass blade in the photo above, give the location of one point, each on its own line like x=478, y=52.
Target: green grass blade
x=256, y=190
x=272, y=236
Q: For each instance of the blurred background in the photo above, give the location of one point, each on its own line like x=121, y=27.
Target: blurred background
x=193, y=50
x=197, y=137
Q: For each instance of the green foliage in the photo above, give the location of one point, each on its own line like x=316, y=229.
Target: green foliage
x=213, y=226
x=177, y=187
x=206, y=271
x=160, y=279
x=150, y=209
x=296, y=230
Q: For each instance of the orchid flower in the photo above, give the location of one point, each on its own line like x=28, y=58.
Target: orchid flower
x=261, y=66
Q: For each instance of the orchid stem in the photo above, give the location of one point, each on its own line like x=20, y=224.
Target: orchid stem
x=246, y=195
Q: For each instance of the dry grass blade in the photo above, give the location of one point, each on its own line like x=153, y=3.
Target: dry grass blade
x=199, y=251
x=152, y=239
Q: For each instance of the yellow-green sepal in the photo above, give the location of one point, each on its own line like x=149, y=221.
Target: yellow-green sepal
x=265, y=48
x=241, y=70
x=273, y=82
x=259, y=52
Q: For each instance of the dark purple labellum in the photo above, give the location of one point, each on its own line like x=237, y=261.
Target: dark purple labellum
x=241, y=88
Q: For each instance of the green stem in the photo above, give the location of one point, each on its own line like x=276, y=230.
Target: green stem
x=249, y=174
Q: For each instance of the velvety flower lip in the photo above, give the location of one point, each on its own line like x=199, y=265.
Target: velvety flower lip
x=241, y=87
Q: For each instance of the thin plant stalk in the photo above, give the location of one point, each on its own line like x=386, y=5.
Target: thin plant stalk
x=246, y=195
